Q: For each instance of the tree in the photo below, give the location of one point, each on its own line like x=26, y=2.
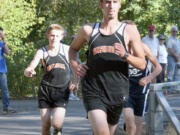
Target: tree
x=17, y=18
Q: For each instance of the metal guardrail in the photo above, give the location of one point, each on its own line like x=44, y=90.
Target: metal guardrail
x=158, y=105
x=169, y=112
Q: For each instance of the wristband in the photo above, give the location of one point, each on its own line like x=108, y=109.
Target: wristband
x=126, y=55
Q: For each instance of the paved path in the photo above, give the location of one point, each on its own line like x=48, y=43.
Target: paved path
x=27, y=119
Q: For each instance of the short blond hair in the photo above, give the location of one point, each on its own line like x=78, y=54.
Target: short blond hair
x=55, y=27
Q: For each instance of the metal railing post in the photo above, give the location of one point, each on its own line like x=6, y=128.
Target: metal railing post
x=154, y=117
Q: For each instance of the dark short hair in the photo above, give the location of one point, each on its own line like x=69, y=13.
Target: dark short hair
x=1, y=28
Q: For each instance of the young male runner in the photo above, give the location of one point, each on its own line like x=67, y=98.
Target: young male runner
x=105, y=77
x=136, y=106
x=55, y=86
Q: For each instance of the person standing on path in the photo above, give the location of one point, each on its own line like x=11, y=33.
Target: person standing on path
x=3, y=78
x=173, y=46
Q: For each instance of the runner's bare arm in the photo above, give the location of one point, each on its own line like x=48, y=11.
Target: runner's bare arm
x=30, y=70
x=144, y=81
x=74, y=84
x=81, y=38
x=133, y=40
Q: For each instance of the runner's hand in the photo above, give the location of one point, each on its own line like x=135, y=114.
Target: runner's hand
x=81, y=70
x=29, y=73
x=144, y=81
x=119, y=49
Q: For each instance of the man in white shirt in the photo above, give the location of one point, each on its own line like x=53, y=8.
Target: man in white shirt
x=153, y=44
x=151, y=41
x=173, y=45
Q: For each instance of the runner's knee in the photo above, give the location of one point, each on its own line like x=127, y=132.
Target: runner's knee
x=57, y=125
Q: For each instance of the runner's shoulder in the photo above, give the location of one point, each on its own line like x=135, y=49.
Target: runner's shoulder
x=131, y=26
x=88, y=28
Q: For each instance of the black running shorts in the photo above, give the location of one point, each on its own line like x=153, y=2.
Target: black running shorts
x=51, y=97
x=138, y=99
x=113, y=112
x=138, y=103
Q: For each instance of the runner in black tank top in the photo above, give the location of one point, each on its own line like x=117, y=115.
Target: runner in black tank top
x=57, y=70
x=55, y=86
x=56, y=76
x=104, y=78
x=107, y=77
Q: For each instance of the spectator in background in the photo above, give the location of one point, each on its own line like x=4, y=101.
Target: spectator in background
x=3, y=70
x=152, y=42
x=162, y=58
x=73, y=94
x=173, y=45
